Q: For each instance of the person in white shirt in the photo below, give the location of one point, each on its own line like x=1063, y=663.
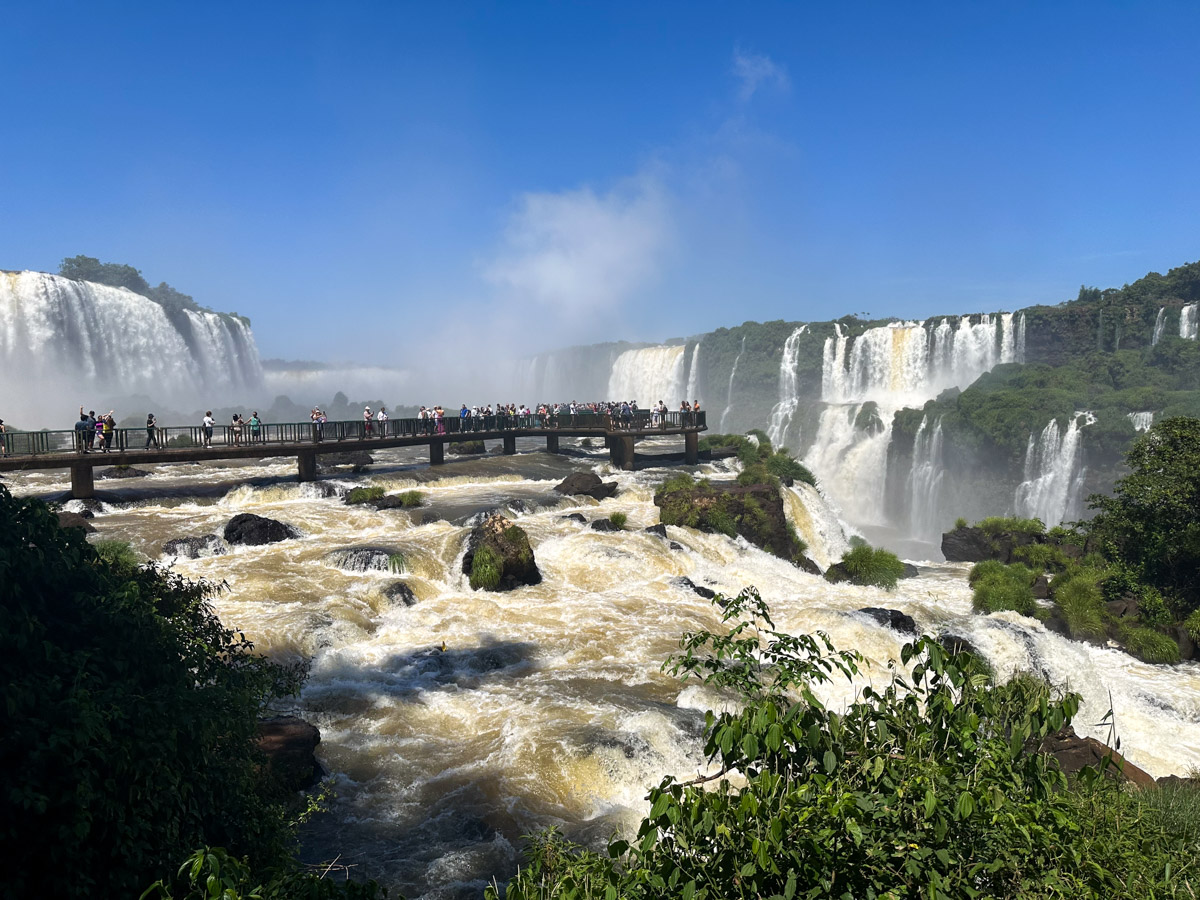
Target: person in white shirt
x=208, y=422
x=381, y=417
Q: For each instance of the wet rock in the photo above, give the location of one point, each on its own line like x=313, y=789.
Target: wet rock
x=605, y=525
x=509, y=561
x=956, y=643
x=684, y=582
x=122, y=472
x=587, y=483
x=675, y=545
x=893, y=619
x=576, y=517
x=357, y=459
x=366, y=559
x=1058, y=625
x=247, y=528
x=1041, y=588
x=1123, y=607
x=1178, y=782
x=75, y=520
x=1187, y=647
x=289, y=744
x=1074, y=752
x=195, y=547
x=465, y=448
x=971, y=544
x=801, y=561
x=910, y=571
x=753, y=511
x=321, y=489
x=400, y=592
x=519, y=505
x=87, y=514
x=660, y=529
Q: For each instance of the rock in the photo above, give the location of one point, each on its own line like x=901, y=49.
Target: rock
x=956, y=643
x=753, y=511
x=366, y=559
x=520, y=505
x=399, y=592
x=1178, y=782
x=515, y=564
x=660, y=529
x=674, y=545
x=87, y=514
x=322, y=489
x=389, y=501
x=1058, y=625
x=587, y=483
x=122, y=472
x=605, y=525
x=805, y=564
x=1074, y=752
x=75, y=520
x=893, y=619
x=966, y=545
x=1123, y=608
x=1041, y=588
x=465, y=448
x=1187, y=647
x=247, y=528
x=575, y=517
x=684, y=582
x=836, y=573
x=910, y=571
x=195, y=547
x=289, y=744
x=358, y=459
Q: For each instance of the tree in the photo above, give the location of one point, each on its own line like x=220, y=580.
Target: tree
x=88, y=268
x=1152, y=521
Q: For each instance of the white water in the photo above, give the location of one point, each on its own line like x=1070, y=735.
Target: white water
x=732, y=374
x=693, y=384
x=1189, y=325
x=648, y=375
x=789, y=392
x=1053, y=487
x=817, y=523
x=68, y=342
x=925, y=489
x=1142, y=421
x=904, y=364
x=1160, y=324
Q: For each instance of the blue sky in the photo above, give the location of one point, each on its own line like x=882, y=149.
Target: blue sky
x=375, y=182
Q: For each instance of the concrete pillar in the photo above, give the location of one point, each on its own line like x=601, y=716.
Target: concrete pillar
x=510, y=444
x=306, y=465
x=552, y=443
x=691, y=448
x=437, y=453
x=82, y=485
x=626, y=462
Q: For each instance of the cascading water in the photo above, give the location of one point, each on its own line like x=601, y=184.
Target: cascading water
x=648, y=375
x=1053, y=487
x=1160, y=323
x=904, y=364
x=925, y=486
x=693, y=382
x=1189, y=323
x=77, y=340
x=789, y=392
x=1142, y=421
x=817, y=523
x=732, y=374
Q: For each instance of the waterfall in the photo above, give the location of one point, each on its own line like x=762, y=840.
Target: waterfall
x=648, y=375
x=693, y=381
x=926, y=481
x=732, y=372
x=902, y=364
x=1142, y=421
x=74, y=341
x=1160, y=323
x=817, y=523
x=1188, y=324
x=789, y=393
x=1053, y=486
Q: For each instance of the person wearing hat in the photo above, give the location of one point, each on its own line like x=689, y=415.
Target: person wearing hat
x=367, y=422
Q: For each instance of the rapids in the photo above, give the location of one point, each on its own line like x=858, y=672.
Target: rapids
x=548, y=705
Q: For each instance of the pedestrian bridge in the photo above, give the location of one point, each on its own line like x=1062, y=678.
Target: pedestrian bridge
x=30, y=450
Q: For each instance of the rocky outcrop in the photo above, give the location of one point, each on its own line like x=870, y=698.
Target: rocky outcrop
x=587, y=484
x=366, y=559
x=971, y=544
x=122, y=472
x=358, y=460
x=605, y=525
x=247, y=528
x=1074, y=752
x=195, y=547
x=289, y=744
x=575, y=517
x=76, y=520
x=684, y=582
x=893, y=619
x=660, y=529
x=400, y=592
x=466, y=448
x=499, y=557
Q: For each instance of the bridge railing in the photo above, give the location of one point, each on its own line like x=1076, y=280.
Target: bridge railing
x=186, y=437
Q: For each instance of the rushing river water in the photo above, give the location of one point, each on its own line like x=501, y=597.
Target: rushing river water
x=547, y=705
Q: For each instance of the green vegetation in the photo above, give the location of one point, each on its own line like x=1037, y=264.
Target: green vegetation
x=618, y=519
x=397, y=563
x=929, y=787
x=1080, y=602
x=364, y=495
x=118, y=554
x=130, y=720
x=1042, y=557
x=1151, y=646
x=762, y=464
x=866, y=565
x=410, y=499
x=998, y=587
x=996, y=525
x=487, y=567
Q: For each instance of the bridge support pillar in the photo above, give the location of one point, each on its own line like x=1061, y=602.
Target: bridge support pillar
x=620, y=452
x=552, y=443
x=691, y=448
x=510, y=445
x=82, y=484
x=437, y=453
x=306, y=465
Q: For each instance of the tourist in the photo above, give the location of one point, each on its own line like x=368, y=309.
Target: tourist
x=367, y=417
x=236, y=427
x=85, y=433
x=207, y=424
x=151, y=432
x=98, y=433
x=382, y=417
x=110, y=425
x=255, y=425
x=3, y=439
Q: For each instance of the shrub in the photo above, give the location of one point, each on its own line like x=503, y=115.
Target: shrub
x=409, y=499
x=960, y=522
x=486, y=569
x=118, y=554
x=996, y=525
x=1081, y=604
x=1192, y=625
x=397, y=563
x=680, y=481
x=873, y=566
x=783, y=467
x=757, y=474
x=985, y=567
x=364, y=495
x=1006, y=588
x=618, y=519
x=1151, y=646
x=1152, y=609
x=1042, y=557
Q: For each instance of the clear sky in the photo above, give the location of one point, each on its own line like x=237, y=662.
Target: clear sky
x=363, y=179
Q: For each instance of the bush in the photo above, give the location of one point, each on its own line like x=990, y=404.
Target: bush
x=872, y=566
x=1192, y=625
x=486, y=569
x=364, y=495
x=1042, y=557
x=1081, y=605
x=118, y=554
x=986, y=567
x=681, y=481
x=1006, y=588
x=1151, y=646
x=410, y=499
x=783, y=467
x=960, y=522
x=618, y=519
x=1152, y=609
x=997, y=525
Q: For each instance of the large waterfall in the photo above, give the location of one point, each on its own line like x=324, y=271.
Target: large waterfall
x=865, y=380
x=789, y=392
x=1053, y=487
x=649, y=375
x=1189, y=326
x=69, y=342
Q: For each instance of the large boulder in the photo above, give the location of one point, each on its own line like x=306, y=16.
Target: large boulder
x=1074, y=752
x=588, y=484
x=400, y=592
x=289, y=744
x=499, y=557
x=358, y=460
x=660, y=529
x=893, y=619
x=195, y=547
x=247, y=528
x=122, y=472
x=75, y=520
x=605, y=525
x=967, y=543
